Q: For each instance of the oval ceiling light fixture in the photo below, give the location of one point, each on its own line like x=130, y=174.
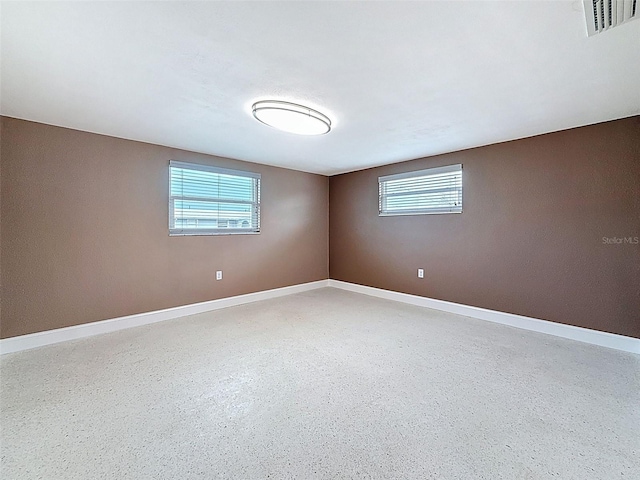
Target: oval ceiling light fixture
x=291, y=117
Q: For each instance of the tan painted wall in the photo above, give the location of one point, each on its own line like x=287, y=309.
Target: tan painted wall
x=85, y=235
x=530, y=240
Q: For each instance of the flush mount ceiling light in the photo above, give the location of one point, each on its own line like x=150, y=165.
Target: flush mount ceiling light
x=291, y=117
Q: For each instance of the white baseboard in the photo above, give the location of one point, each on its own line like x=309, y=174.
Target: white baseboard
x=34, y=340
x=595, y=337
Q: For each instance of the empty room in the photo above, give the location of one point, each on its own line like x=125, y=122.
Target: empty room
x=320, y=240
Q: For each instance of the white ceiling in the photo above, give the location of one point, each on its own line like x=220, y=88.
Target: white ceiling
x=399, y=80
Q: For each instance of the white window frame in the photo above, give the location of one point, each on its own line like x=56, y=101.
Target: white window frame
x=173, y=231
x=383, y=211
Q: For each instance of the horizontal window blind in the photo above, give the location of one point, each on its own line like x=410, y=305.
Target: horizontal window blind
x=206, y=200
x=434, y=190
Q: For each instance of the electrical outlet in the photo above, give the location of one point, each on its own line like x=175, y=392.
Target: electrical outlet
x=421, y=273
x=219, y=275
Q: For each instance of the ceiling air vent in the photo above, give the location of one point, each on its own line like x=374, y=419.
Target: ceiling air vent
x=605, y=14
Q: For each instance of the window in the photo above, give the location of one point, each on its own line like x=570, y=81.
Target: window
x=205, y=200
x=434, y=190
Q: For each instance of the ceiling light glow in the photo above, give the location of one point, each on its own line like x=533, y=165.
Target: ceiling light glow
x=291, y=117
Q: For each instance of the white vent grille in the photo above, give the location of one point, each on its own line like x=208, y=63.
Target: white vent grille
x=605, y=14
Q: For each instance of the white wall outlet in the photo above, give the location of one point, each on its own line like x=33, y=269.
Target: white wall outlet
x=421, y=273
x=219, y=275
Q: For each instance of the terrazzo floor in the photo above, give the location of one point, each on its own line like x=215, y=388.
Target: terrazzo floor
x=321, y=385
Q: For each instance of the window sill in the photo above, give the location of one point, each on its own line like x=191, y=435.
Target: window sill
x=416, y=213
x=209, y=234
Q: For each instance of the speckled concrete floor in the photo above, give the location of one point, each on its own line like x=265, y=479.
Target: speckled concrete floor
x=324, y=384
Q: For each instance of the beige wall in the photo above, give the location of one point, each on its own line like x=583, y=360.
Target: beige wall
x=530, y=240
x=85, y=237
